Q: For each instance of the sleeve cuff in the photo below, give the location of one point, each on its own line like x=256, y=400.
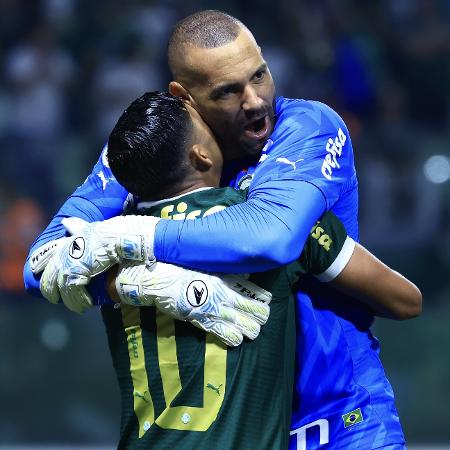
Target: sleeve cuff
x=339, y=263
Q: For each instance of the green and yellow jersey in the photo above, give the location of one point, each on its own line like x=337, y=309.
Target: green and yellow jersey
x=181, y=387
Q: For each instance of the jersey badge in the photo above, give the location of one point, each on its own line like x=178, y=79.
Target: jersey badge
x=245, y=181
x=352, y=418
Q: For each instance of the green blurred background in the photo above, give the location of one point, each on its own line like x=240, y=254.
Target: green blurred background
x=67, y=70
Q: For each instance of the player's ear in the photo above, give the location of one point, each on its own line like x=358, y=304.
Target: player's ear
x=200, y=158
x=178, y=90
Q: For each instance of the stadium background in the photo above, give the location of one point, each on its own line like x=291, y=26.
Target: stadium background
x=67, y=70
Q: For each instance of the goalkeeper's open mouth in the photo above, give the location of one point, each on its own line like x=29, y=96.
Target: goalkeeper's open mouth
x=258, y=129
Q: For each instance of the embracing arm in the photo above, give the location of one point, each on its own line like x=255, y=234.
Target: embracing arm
x=305, y=168
x=386, y=291
x=267, y=231
x=74, y=206
x=334, y=257
x=305, y=171
x=100, y=197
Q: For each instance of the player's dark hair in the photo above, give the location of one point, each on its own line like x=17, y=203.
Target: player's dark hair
x=147, y=147
x=205, y=29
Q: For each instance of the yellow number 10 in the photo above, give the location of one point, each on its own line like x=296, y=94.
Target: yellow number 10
x=173, y=417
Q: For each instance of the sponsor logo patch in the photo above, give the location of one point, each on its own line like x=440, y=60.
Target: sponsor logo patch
x=334, y=149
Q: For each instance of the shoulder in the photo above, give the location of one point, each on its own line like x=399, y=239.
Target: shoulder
x=308, y=126
x=309, y=116
x=310, y=142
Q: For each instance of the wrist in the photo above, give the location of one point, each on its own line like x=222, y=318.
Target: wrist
x=135, y=239
x=97, y=288
x=110, y=284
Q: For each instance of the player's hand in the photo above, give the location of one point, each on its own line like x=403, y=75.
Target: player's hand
x=124, y=237
x=94, y=248
x=229, y=307
x=71, y=267
x=49, y=258
x=42, y=255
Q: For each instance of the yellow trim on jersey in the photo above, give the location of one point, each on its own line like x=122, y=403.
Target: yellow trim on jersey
x=191, y=418
x=167, y=356
x=187, y=418
x=142, y=399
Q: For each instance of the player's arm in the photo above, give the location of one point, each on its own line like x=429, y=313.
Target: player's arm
x=267, y=231
x=284, y=202
x=305, y=174
x=98, y=198
x=334, y=257
x=102, y=197
x=384, y=290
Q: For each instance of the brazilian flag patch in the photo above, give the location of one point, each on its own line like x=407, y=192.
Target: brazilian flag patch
x=352, y=418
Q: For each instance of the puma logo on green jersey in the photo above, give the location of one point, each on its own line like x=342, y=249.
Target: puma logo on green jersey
x=214, y=388
x=142, y=396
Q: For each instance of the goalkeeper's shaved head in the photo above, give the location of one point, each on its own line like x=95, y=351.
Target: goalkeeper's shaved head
x=218, y=69
x=204, y=29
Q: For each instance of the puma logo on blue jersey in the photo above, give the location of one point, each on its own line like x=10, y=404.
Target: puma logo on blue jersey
x=290, y=163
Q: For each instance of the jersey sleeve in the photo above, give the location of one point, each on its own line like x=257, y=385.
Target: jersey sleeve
x=327, y=250
x=265, y=232
x=305, y=167
x=99, y=197
x=312, y=144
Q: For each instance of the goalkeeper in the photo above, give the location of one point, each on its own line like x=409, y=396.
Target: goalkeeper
x=299, y=156
x=180, y=386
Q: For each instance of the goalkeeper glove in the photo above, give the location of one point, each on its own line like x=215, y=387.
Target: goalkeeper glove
x=94, y=248
x=229, y=307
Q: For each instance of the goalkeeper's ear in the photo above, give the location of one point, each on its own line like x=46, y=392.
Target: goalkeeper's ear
x=74, y=225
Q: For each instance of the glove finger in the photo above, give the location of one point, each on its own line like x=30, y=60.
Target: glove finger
x=76, y=298
x=244, y=323
x=73, y=292
x=49, y=283
x=225, y=332
x=253, y=308
x=42, y=255
x=247, y=288
x=74, y=225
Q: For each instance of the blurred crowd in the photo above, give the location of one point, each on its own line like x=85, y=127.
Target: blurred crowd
x=68, y=68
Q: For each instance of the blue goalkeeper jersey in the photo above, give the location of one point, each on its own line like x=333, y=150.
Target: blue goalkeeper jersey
x=343, y=399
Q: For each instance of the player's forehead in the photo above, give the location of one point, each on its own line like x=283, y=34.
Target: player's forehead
x=232, y=62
